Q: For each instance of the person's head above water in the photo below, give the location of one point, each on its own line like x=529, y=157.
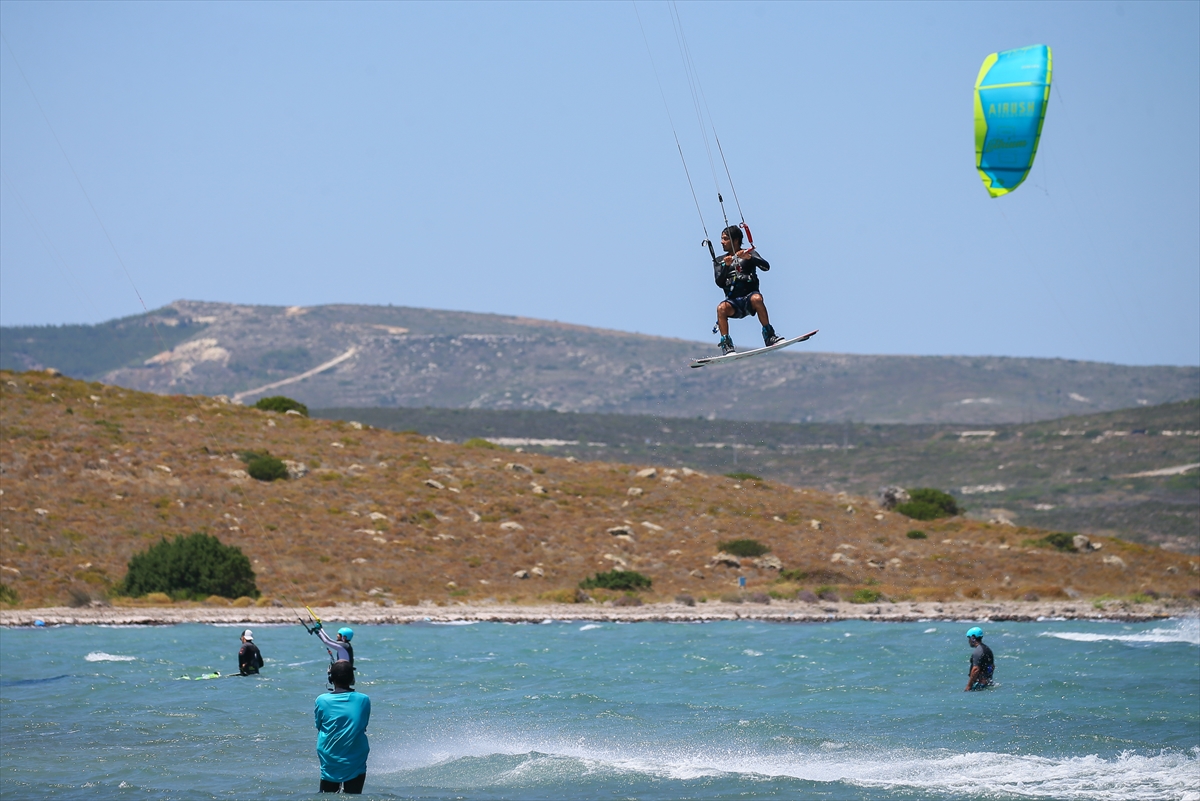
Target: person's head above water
x=341, y=674
x=975, y=633
x=346, y=633
x=248, y=635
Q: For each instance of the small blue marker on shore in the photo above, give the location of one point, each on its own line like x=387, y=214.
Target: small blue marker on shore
x=39, y=623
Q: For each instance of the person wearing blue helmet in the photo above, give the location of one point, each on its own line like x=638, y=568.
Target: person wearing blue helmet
x=983, y=663
x=340, y=649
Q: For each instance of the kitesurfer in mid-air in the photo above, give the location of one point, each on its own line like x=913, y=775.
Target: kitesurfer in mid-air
x=342, y=716
x=983, y=663
x=736, y=273
x=340, y=649
x=249, y=657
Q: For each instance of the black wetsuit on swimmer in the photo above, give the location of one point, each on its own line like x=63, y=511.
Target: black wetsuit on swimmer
x=982, y=658
x=249, y=659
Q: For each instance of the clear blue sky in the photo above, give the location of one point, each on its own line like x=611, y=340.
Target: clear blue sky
x=517, y=158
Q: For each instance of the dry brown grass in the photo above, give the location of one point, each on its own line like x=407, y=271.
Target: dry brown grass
x=93, y=468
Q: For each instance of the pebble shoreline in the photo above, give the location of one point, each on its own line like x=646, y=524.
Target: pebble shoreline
x=780, y=612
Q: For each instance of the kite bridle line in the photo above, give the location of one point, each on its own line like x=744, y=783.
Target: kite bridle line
x=700, y=104
x=698, y=97
x=687, y=173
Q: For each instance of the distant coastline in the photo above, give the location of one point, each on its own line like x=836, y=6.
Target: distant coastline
x=778, y=612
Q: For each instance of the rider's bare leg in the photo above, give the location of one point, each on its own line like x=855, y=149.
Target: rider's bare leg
x=724, y=309
x=760, y=308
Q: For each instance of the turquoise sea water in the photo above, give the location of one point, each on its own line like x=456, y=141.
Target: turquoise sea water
x=732, y=710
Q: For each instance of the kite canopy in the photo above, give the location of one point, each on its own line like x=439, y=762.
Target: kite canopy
x=1011, y=93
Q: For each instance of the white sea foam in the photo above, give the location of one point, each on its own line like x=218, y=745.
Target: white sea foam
x=524, y=762
x=1186, y=630
x=100, y=656
x=749, y=652
x=590, y=626
x=453, y=622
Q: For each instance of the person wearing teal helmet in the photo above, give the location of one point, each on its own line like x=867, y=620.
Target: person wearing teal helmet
x=340, y=649
x=983, y=662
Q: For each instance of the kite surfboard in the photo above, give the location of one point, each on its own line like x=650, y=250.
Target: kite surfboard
x=729, y=357
x=216, y=674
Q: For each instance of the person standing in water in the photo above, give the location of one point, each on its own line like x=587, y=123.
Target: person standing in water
x=340, y=650
x=249, y=657
x=342, y=716
x=983, y=662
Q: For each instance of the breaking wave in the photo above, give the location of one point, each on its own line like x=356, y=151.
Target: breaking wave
x=100, y=656
x=1186, y=630
x=528, y=764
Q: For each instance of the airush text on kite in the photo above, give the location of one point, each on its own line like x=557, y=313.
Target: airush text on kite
x=1019, y=109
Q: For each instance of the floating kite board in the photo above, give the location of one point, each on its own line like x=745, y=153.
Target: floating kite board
x=729, y=357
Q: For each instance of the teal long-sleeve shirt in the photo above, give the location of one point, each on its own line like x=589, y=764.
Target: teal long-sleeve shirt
x=342, y=734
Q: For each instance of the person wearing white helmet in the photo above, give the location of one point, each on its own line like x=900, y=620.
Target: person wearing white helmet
x=249, y=657
x=983, y=662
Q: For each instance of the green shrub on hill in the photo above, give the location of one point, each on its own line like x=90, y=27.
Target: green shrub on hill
x=617, y=580
x=743, y=476
x=480, y=442
x=929, y=504
x=195, y=566
x=267, y=468
x=916, y=535
x=281, y=404
x=865, y=596
x=263, y=466
x=1059, y=540
x=7, y=594
x=745, y=548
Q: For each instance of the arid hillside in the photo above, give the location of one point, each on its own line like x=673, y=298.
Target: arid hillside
x=92, y=474
x=392, y=356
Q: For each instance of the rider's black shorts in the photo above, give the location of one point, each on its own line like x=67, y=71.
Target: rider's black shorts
x=741, y=306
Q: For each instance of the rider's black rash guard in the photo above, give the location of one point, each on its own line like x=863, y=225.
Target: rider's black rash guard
x=982, y=658
x=740, y=278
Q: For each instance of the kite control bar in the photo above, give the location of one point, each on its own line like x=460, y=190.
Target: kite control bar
x=315, y=619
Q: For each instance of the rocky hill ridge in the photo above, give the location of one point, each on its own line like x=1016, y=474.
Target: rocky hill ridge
x=385, y=356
